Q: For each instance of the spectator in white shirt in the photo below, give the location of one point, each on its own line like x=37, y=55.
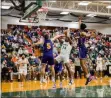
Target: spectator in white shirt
x=23, y=68
x=20, y=51
x=99, y=64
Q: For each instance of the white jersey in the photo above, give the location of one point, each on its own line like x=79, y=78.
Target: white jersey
x=23, y=68
x=99, y=61
x=24, y=62
x=66, y=48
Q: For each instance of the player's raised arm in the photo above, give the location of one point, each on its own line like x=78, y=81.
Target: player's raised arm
x=57, y=37
x=82, y=28
x=41, y=41
x=80, y=22
x=66, y=32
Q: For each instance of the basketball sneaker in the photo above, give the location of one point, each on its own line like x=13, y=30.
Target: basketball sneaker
x=54, y=86
x=89, y=79
x=71, y=82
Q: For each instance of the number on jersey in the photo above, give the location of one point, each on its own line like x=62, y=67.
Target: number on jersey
x=48, y=46
x=64, y=46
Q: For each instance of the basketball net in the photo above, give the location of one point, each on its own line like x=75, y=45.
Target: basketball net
x=41, y=14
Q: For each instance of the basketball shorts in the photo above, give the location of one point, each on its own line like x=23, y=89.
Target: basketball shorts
x=23, y=71
x=82, y=53
x=47, y=59
x=62, y=58
x=58, y=68
x=99, y=68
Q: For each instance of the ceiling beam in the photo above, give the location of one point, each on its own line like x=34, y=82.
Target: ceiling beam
x=79, y=11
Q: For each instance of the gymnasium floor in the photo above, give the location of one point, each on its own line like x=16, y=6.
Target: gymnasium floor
x=96, y=88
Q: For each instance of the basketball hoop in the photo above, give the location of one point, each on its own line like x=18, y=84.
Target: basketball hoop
x=30, y=20
x=41, y=14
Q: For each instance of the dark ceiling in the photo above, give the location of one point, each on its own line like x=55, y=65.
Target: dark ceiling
x=18, y=11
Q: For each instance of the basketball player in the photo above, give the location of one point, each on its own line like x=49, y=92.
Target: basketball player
x=58, y=70
x=48, y=57
x=64, y=54
x=23, y=68
x=83, y=50
x=99, y=65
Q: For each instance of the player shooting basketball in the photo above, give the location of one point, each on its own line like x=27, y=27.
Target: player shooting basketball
x=83, y=50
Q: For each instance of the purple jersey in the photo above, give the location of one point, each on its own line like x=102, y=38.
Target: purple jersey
x=48, y=52
x=81, y=42
x=82, y=48
x=48, y=47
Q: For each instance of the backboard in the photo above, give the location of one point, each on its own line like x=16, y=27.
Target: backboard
x=34, y=12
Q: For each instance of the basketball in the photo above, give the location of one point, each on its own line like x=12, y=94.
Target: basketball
x=83, y=33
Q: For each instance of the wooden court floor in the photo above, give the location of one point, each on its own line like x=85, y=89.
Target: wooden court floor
x=96, y=88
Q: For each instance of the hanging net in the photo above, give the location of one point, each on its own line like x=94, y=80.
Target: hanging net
x=41, y=14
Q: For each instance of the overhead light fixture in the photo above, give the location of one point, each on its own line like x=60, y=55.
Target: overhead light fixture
x=64, y=13
x=52, y=1
x=5, y=7
x=84, y=3
x=91, y=15
x=109, y=7
x=75, y=22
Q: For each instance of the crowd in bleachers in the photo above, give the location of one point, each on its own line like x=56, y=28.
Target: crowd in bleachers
x=16, y=44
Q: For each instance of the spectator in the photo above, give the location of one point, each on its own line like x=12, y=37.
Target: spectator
x=20, y=51
x=77, y=67
x=23, y=68
x=99, y=65
x=5, y=71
